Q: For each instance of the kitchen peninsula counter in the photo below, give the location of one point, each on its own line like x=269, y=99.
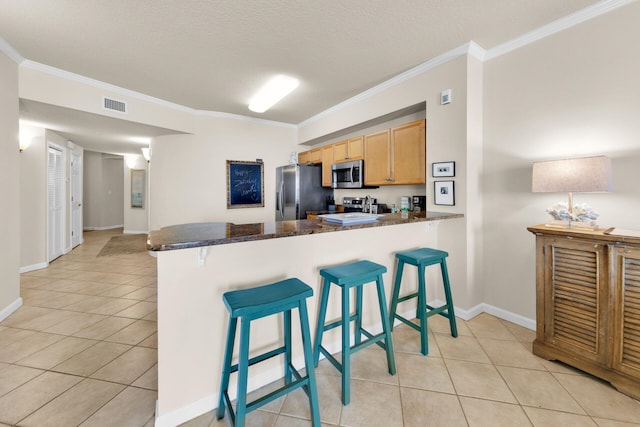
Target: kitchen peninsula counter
x=198, y=263
x=195, y=235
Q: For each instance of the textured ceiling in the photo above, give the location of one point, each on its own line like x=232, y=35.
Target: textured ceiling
x=214, y=54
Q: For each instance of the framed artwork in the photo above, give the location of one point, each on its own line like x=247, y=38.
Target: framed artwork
x=443, y=169
x=137, y=188
x=245, y=184
x=444, y=193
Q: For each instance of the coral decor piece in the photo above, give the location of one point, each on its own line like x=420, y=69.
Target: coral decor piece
x=581, y=212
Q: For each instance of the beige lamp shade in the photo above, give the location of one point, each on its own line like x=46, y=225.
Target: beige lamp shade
x=586, y=174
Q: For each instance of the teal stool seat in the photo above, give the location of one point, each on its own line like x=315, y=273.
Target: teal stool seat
x=252, y=304
x=348, y=276
x=422, y=258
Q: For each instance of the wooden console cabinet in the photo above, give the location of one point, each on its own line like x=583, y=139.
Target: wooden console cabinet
x=588, y=303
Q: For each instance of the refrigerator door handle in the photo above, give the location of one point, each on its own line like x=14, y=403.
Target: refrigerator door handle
x=280, y=200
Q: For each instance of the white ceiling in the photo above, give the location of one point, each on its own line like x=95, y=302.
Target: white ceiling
x=214, y=54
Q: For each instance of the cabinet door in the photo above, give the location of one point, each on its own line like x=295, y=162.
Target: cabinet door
x=377, y=156
x=575, y=297
x=355, y=148
x=327, y=161
x=304, y=157
x=316, y=156
x=409, y=153
x=626, y=325
x=340, y=151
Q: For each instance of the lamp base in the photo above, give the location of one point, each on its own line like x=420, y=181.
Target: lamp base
x=577, y=225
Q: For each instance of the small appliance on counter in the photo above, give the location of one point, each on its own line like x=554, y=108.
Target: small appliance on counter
x=419, y=203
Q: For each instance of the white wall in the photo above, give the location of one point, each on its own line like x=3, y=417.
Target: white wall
x=33, y=200
x=573, y=94
x=189, y=176
x=103, y=191
x=136, y=220
x=9, y=188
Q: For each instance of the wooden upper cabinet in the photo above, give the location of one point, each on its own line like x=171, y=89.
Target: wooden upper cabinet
x=304, y=157
x=377, y=158
x=408, y=144
x=327, y=161
x=316, y=156
x=340, y=151
x=349, y=149
x=396, y=156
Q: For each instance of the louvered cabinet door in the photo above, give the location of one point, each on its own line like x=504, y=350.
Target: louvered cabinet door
x=576, y=298
x=626, y=350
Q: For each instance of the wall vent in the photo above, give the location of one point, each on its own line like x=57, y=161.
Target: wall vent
x=114, y=105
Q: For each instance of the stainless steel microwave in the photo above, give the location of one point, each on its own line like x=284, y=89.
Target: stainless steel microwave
x=347, y=174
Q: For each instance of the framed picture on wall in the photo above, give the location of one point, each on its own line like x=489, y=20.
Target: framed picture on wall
x=442, y=169
x=444, y=193
x=137, y=188
x=245, y=184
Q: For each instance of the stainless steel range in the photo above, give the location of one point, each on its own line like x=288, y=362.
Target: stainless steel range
x=358, y=204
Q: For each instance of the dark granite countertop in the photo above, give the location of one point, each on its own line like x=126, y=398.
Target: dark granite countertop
x=194, y=235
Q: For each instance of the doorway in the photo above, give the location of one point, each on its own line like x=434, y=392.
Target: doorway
x=55, y=202
x=76, y=199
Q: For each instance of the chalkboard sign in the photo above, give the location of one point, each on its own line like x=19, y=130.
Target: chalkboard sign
x=245, y=187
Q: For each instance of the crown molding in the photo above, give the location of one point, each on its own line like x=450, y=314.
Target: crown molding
x=8, y=50
x=556, y=26
x=67, y=75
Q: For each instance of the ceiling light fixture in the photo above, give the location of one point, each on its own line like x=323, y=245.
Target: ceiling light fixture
x=272, y=92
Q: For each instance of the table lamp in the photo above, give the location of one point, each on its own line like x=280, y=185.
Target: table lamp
x=579, y=175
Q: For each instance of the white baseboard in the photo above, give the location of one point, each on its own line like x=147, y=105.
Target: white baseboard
x=110, y=227
x=33, y=267
x=186, y=413
x=135, y=231
x=6, y=312
x=500, y=313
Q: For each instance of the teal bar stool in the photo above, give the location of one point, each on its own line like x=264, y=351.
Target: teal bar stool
x=252, y=304
x=348, y=276
x=422, y=258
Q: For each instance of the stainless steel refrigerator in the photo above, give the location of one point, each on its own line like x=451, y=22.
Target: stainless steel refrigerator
x=298, y=190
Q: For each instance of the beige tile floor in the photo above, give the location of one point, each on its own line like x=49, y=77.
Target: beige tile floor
x=82, y=351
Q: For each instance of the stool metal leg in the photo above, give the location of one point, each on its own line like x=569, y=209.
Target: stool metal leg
x=396, y=292
x=422, y=311
x=226, y=370
x=243, y=373
x=386, y=327
x=447, y=294
x=346, y=346
x=311, y=388
x=322, y=314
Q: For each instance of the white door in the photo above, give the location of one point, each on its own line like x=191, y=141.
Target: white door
x=76, y=199
x=55, y=203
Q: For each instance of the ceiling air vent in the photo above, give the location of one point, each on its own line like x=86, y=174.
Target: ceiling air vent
x=114, y=105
